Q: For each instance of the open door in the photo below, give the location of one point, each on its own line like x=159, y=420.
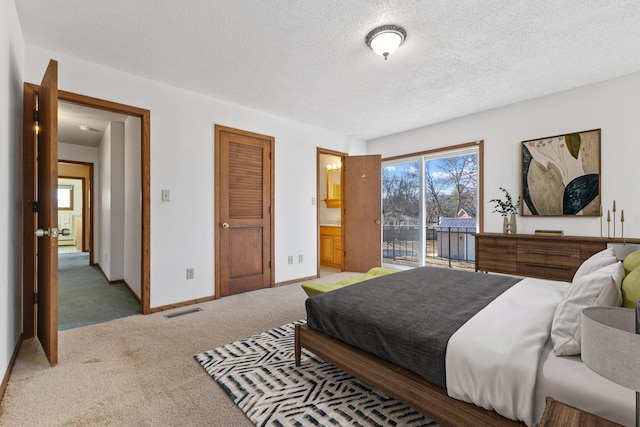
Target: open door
x=47, y=183
x=42, y=166
x=362, y=212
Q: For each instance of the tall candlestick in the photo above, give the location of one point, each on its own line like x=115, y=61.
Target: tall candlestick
x=622, y=224
x=600, y=219
x=608, y=224
x=614, y=219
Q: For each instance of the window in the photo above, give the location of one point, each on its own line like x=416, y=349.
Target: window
x=430, y=207
x=65, y=197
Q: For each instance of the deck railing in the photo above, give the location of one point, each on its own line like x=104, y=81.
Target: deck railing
x=449, y=246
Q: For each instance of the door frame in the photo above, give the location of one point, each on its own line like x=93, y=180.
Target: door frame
x=342, y=156
x=30, y=93
x=85, y=208
x=218, y=129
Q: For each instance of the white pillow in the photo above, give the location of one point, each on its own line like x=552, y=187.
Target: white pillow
x=595, y=262
x=596, y=289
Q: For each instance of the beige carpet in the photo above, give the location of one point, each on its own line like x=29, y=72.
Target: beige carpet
x=140, y=370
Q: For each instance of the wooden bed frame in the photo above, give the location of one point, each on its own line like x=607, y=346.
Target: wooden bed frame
x=399, y=383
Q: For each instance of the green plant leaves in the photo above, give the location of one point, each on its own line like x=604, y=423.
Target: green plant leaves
x=572, y=141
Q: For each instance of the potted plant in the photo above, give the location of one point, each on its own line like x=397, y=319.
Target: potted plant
x=507, y=207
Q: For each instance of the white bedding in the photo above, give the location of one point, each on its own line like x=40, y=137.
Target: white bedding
x=498, y=360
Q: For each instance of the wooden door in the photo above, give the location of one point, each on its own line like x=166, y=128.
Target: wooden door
x=362, y=212
x=244, y=216
x=47, y=215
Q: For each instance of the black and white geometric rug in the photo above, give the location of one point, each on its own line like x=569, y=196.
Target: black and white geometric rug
x=259, y=375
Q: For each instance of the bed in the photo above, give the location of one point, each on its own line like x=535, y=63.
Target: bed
x=494, y=366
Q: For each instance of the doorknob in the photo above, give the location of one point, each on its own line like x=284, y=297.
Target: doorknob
x=377, y=221
x=53, y=232
x=225, y=225
x=40, y=232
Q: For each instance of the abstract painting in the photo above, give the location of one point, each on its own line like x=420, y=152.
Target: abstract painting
x=561, y=175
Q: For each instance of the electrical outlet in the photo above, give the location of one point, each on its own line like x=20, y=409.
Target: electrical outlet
x=290, y=259
x=190, y=273
x=300, y=258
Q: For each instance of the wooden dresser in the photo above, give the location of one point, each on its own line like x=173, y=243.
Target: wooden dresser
x=555, y=258
x=331, y=246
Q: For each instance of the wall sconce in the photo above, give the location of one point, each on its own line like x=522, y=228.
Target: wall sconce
x=386, y=39
x=334, y=166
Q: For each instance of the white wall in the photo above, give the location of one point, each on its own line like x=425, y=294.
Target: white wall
x=111, y=207
x=11, y=77
x=132, y=205
x=182, y=230
x=611, y=106
x=116, y=250
x=103, y=205
x=81, y=153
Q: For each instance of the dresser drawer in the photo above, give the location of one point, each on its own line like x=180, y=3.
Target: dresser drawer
x=554, y=259
x=496, y=254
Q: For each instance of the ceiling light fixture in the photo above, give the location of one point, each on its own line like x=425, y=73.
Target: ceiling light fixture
x=386, y=39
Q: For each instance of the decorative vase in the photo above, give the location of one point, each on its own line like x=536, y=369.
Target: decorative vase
x=505, y=225
x=512, y=224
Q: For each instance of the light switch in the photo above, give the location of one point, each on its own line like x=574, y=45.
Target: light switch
x=166, y=195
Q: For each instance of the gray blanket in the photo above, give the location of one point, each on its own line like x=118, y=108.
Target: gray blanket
x=406, y=317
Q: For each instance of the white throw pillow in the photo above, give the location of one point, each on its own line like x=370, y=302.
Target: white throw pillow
x=596, y=289
x=595, y=262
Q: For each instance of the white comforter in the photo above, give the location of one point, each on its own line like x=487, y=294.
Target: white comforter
x=492, y=360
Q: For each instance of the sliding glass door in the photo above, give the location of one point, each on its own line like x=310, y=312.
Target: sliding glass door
x=430, y=208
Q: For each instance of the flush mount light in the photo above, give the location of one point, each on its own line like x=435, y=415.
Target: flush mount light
x=386, y=39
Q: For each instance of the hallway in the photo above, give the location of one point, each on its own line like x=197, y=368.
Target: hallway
x=85, y=297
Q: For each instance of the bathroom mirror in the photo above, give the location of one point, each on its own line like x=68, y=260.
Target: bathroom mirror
x=334, y=189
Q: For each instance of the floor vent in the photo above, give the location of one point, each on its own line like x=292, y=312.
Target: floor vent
x=182, y=313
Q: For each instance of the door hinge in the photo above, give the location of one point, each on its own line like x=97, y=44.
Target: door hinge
x=35, y=116
x=34, y=205
x=269, y=264
x=35, y=298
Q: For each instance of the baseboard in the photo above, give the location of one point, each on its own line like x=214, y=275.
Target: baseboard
x=290, y=282
x=213, y=297
x=12, y=362
x=132, y=292
x=182, y=304
x=113, y=282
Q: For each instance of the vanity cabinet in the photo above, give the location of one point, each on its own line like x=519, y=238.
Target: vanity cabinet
x=331, y=246
x=555, y=258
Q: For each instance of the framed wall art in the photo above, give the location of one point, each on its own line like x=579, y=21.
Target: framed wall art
x=561, y=175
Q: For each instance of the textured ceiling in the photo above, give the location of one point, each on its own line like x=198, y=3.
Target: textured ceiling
x=307, y=60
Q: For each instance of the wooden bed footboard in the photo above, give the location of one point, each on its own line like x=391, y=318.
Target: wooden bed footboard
x=399, y=383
